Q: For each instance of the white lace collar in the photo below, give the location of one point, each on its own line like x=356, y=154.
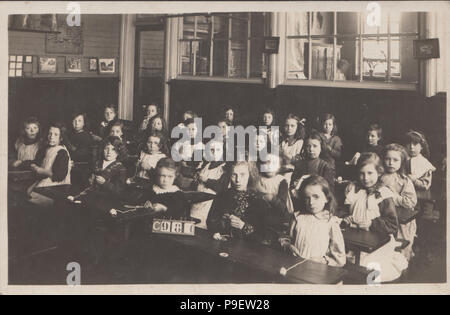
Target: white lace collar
x=158, y=190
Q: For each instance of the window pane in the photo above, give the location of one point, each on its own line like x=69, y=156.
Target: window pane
x=220, y=58
x=256, y=58
x=188, y=27
x=238, y=64
x=395, y=48
x=348, y=59
x=203, y=27
x=322, y=61
x=347, y=23
x=220, y=26
x=297, y=23
x=322, y=23
x=239, y=26
x=202, y=49
x=409, y=67
x=186, y=62
x=257, y=25
x=374, y=58
x=370, y=26
x=296, y=61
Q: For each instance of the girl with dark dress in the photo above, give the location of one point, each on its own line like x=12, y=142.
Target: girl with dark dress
x=239, y=212
x=165, y=198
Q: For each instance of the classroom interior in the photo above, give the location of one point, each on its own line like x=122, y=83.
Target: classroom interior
x=306, y=63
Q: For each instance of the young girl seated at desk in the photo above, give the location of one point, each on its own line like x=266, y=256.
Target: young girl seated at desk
x=315, y=233
x=109, y=178
x=188, y=150
x=238, y=212
x=312, y=164
x=189, y=114
x=150, y=111
x=52, y=164
x=292, y=143
x=371, y=207
x=210, y=179
x=229, y=114
x=80, y=145
x=395, y=159
x=275, y=191
x=27, y=145
x=153, y=152
x=164, y=197
x=109, y=118
x=268, y=120
x=420, y=170
x=79, y=139
x=332, y=144
x=372, y=144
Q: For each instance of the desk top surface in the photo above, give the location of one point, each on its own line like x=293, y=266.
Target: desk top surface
x=260, y=257
x=366, y=241
x=406, y=215
x=252, y=254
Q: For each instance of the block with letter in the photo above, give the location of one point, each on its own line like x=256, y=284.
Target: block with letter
x=175, y=227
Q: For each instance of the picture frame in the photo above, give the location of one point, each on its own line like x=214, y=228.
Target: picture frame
x=107, y=65
x=426, y=48
x=73, y=64
x=48, y=65
x=93, y=64
x=271, y=44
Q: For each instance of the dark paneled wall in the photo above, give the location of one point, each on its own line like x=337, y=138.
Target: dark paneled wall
x=355, y=109
x=55, y=99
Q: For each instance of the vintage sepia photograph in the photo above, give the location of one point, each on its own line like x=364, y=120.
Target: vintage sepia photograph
x=302, y=144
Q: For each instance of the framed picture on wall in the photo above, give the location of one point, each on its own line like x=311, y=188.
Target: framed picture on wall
x=271, y=45
x=47, y=65
x=426, y=48
x=107, y=65
x=73, y=64
x=93, y=64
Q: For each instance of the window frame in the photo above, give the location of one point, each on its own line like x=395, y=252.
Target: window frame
x=212, y=40
x=388, y=84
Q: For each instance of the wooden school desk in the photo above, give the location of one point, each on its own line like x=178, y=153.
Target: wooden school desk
x=255, y=256
x=17, y=176
x=363, y=241
x=405, y=215
x=60, y=194
x=258, y=257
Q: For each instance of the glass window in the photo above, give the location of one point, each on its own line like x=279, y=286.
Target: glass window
x=233, y=40
x=345, y=46
x=348, y=60
x=322, y=23
x=296, y=59
x=297, y=24
x=347, y=23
